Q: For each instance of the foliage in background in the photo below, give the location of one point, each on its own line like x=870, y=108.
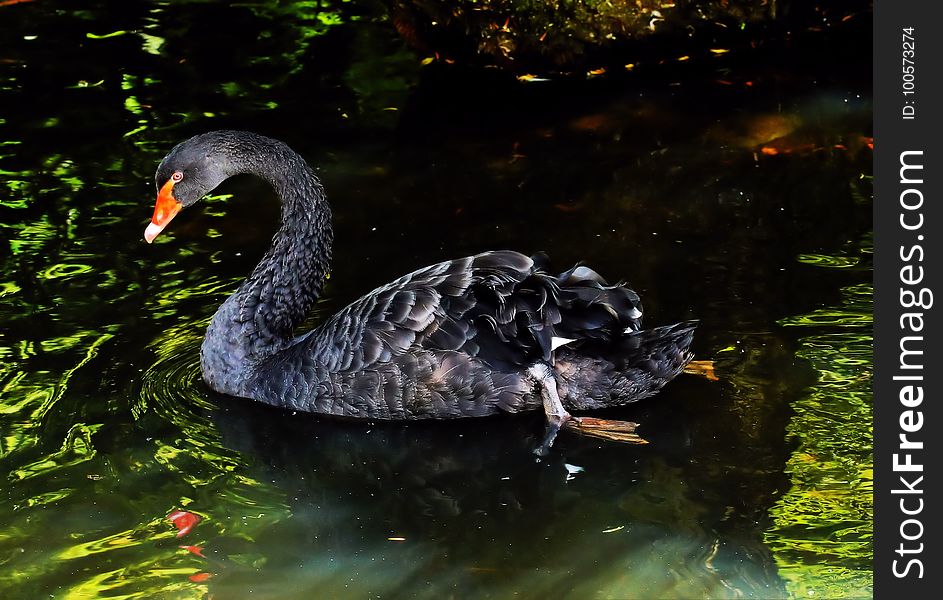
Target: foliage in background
x=589, y=36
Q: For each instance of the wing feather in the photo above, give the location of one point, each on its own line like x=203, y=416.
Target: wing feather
x=497, y=306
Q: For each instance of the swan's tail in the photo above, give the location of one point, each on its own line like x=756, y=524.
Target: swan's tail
x=590, y=332
x=633, y=367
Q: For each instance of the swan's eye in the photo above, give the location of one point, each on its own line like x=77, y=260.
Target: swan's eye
x=177, y=176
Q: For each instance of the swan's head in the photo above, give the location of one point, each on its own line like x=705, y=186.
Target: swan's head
x=190, y=171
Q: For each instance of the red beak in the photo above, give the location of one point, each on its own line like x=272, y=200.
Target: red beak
x=165, y=210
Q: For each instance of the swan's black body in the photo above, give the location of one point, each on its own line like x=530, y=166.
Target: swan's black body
x=455, y=339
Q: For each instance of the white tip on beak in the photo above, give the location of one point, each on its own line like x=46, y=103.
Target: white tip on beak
x=151, y=232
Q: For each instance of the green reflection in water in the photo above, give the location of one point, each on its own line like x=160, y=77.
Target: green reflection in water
x=823, y=526
x=61, y=271
x=309, y=20
x=822, y=260
x=8, y=288
x=119, y=537
x=76, y=448
x=30, y=396
x=152, y=43
x=105, y=36
x=31, y=237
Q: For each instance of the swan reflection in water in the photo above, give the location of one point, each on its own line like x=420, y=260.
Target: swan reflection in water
x=448, y=506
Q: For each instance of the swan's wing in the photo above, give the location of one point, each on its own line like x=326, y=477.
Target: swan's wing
x=424, y=308
x=499, y=306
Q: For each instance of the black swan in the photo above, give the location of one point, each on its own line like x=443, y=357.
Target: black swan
x=470, y=337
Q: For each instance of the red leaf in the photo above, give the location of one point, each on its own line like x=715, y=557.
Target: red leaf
x=184, y=521
x=194, y=550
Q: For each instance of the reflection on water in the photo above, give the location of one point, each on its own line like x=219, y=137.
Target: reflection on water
x=745, y=206
x=828, y=510
x=462, y=508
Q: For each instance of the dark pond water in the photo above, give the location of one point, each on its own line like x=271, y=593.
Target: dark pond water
x=730, y=187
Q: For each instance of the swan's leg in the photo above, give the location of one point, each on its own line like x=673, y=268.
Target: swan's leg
x=557, y=416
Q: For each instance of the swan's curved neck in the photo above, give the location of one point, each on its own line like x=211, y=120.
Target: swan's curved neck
x=259, y=319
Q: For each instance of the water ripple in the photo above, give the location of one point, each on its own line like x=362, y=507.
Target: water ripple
x=174, y=383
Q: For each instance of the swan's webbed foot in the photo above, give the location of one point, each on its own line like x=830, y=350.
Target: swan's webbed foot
x=557, y=416
x=704, y=368
x=616, y=431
